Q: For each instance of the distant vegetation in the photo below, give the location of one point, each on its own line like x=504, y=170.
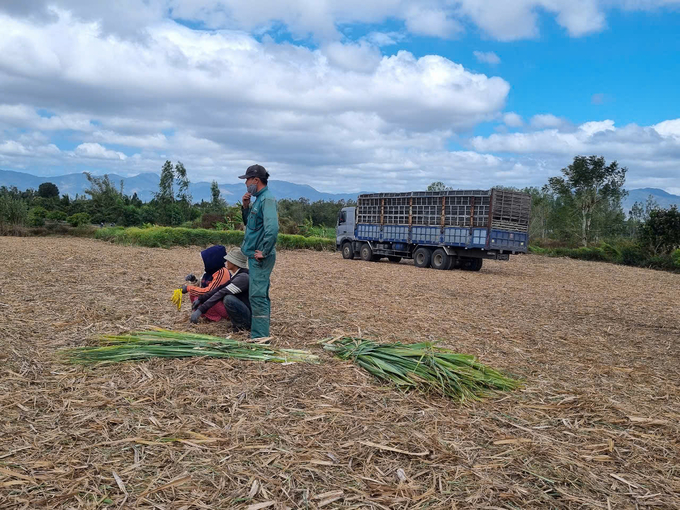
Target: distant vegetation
x=165, y=237
x=578, y=214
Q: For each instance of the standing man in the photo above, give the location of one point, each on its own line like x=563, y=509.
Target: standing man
x=259, y=244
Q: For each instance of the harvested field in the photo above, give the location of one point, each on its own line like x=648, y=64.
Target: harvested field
x=596, y=426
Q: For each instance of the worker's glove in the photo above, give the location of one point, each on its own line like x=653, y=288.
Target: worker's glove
x=195, y=316
x=184, y=289
x=195, y=304
x=190, y=278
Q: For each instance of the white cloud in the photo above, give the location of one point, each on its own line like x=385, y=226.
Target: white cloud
x=487, y=57
x=670, y=128
x=501, y=19
x=548, y=120
x=512, y=119
x=96, y=151
x=642, y=149
x=432, y=22
x=361, y=57
x=381, y=39
x=341, y=117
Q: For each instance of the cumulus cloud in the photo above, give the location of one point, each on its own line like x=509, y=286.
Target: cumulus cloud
x=97, y=151
x=641, y=148
x=548, y=120
x=221, y=100
x=512, y=119
x=487, y=57
x=431, y=21
x=500, y=19
x=340, y=116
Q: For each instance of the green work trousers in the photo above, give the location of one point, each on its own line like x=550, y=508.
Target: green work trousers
x=258, y=292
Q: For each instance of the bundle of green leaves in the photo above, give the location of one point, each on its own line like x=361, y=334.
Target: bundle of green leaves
x=424, y=367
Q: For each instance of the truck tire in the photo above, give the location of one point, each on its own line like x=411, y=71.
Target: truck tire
x=366, y=252
x=456, y=263
x=347, y=250
x=441, y=260
x=394, y=259
x=471, y=263
x=422, y=257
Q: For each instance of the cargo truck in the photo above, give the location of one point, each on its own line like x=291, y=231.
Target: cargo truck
x=454, y=229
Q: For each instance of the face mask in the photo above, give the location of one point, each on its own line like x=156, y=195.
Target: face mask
x=252, y=188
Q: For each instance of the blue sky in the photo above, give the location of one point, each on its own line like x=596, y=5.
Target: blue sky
x=345, y=96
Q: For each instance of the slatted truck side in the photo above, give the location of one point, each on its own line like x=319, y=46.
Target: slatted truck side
x=439, y=229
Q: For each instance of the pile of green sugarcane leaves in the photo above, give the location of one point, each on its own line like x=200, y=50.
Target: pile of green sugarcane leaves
x=424, y=367
x=176, y=344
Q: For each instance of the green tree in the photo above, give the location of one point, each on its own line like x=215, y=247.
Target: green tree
x=438, y=186
x=183, y=195
x=36, y=216
x=78, y=219
x=661, y=232
x=586, y=184
x=165, y=198
x=48, y=190
x=13, y=209
x=131, y=217
x=542, y=205
x=217, y=203
x=106, y=201
x=165, y=186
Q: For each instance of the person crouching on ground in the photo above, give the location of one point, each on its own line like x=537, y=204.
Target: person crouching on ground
x=215, y=276
x=259, y=244
x=234, y=295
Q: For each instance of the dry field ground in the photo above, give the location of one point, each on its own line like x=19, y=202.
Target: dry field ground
x=596, y=425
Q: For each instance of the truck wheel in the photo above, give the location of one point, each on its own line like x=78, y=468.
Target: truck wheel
x=456, y=263
x=441, y=259
x=366, y=252
x=422, y=257
x=347, y=251
x=394, y=259
x=471, y=263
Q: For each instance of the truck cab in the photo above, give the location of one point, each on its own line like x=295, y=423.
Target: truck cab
x=344, y=230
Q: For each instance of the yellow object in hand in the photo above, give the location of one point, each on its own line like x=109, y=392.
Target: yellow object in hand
x=177, y=298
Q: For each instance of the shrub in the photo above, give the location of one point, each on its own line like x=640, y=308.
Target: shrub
x=131, y=216
x=76, y=220
x=676, y=258
x=661, y=232
x=633, y=255
x=208, y=220
x=165, y=237
x=612, y=253
x=57, y=216
x=36, y=216
x=661, y=262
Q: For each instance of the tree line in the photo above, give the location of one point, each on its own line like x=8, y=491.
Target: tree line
x=581, y=207
x=105, y=202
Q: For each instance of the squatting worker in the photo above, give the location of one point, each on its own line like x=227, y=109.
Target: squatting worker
x=259, y=245
x=233, y=294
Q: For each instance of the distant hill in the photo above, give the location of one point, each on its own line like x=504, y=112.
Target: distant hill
x=663, y=198
x=146, y=184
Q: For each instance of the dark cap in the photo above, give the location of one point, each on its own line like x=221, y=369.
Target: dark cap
x=255, y=171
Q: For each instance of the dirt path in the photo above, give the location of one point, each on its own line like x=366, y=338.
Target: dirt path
x=597, y=425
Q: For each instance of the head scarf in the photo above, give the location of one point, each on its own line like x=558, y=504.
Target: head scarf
x=213, y=260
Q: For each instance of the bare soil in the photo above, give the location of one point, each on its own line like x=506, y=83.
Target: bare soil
x=595, y=426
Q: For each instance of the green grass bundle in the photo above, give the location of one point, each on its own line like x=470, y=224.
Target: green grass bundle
x=174, y=344
x=424, y=367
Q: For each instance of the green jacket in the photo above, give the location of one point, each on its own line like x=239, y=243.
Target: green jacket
x=262, y=224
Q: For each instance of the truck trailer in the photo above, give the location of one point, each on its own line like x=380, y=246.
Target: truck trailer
x=454, y=229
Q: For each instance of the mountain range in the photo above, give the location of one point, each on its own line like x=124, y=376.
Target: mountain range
x=147, y=183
